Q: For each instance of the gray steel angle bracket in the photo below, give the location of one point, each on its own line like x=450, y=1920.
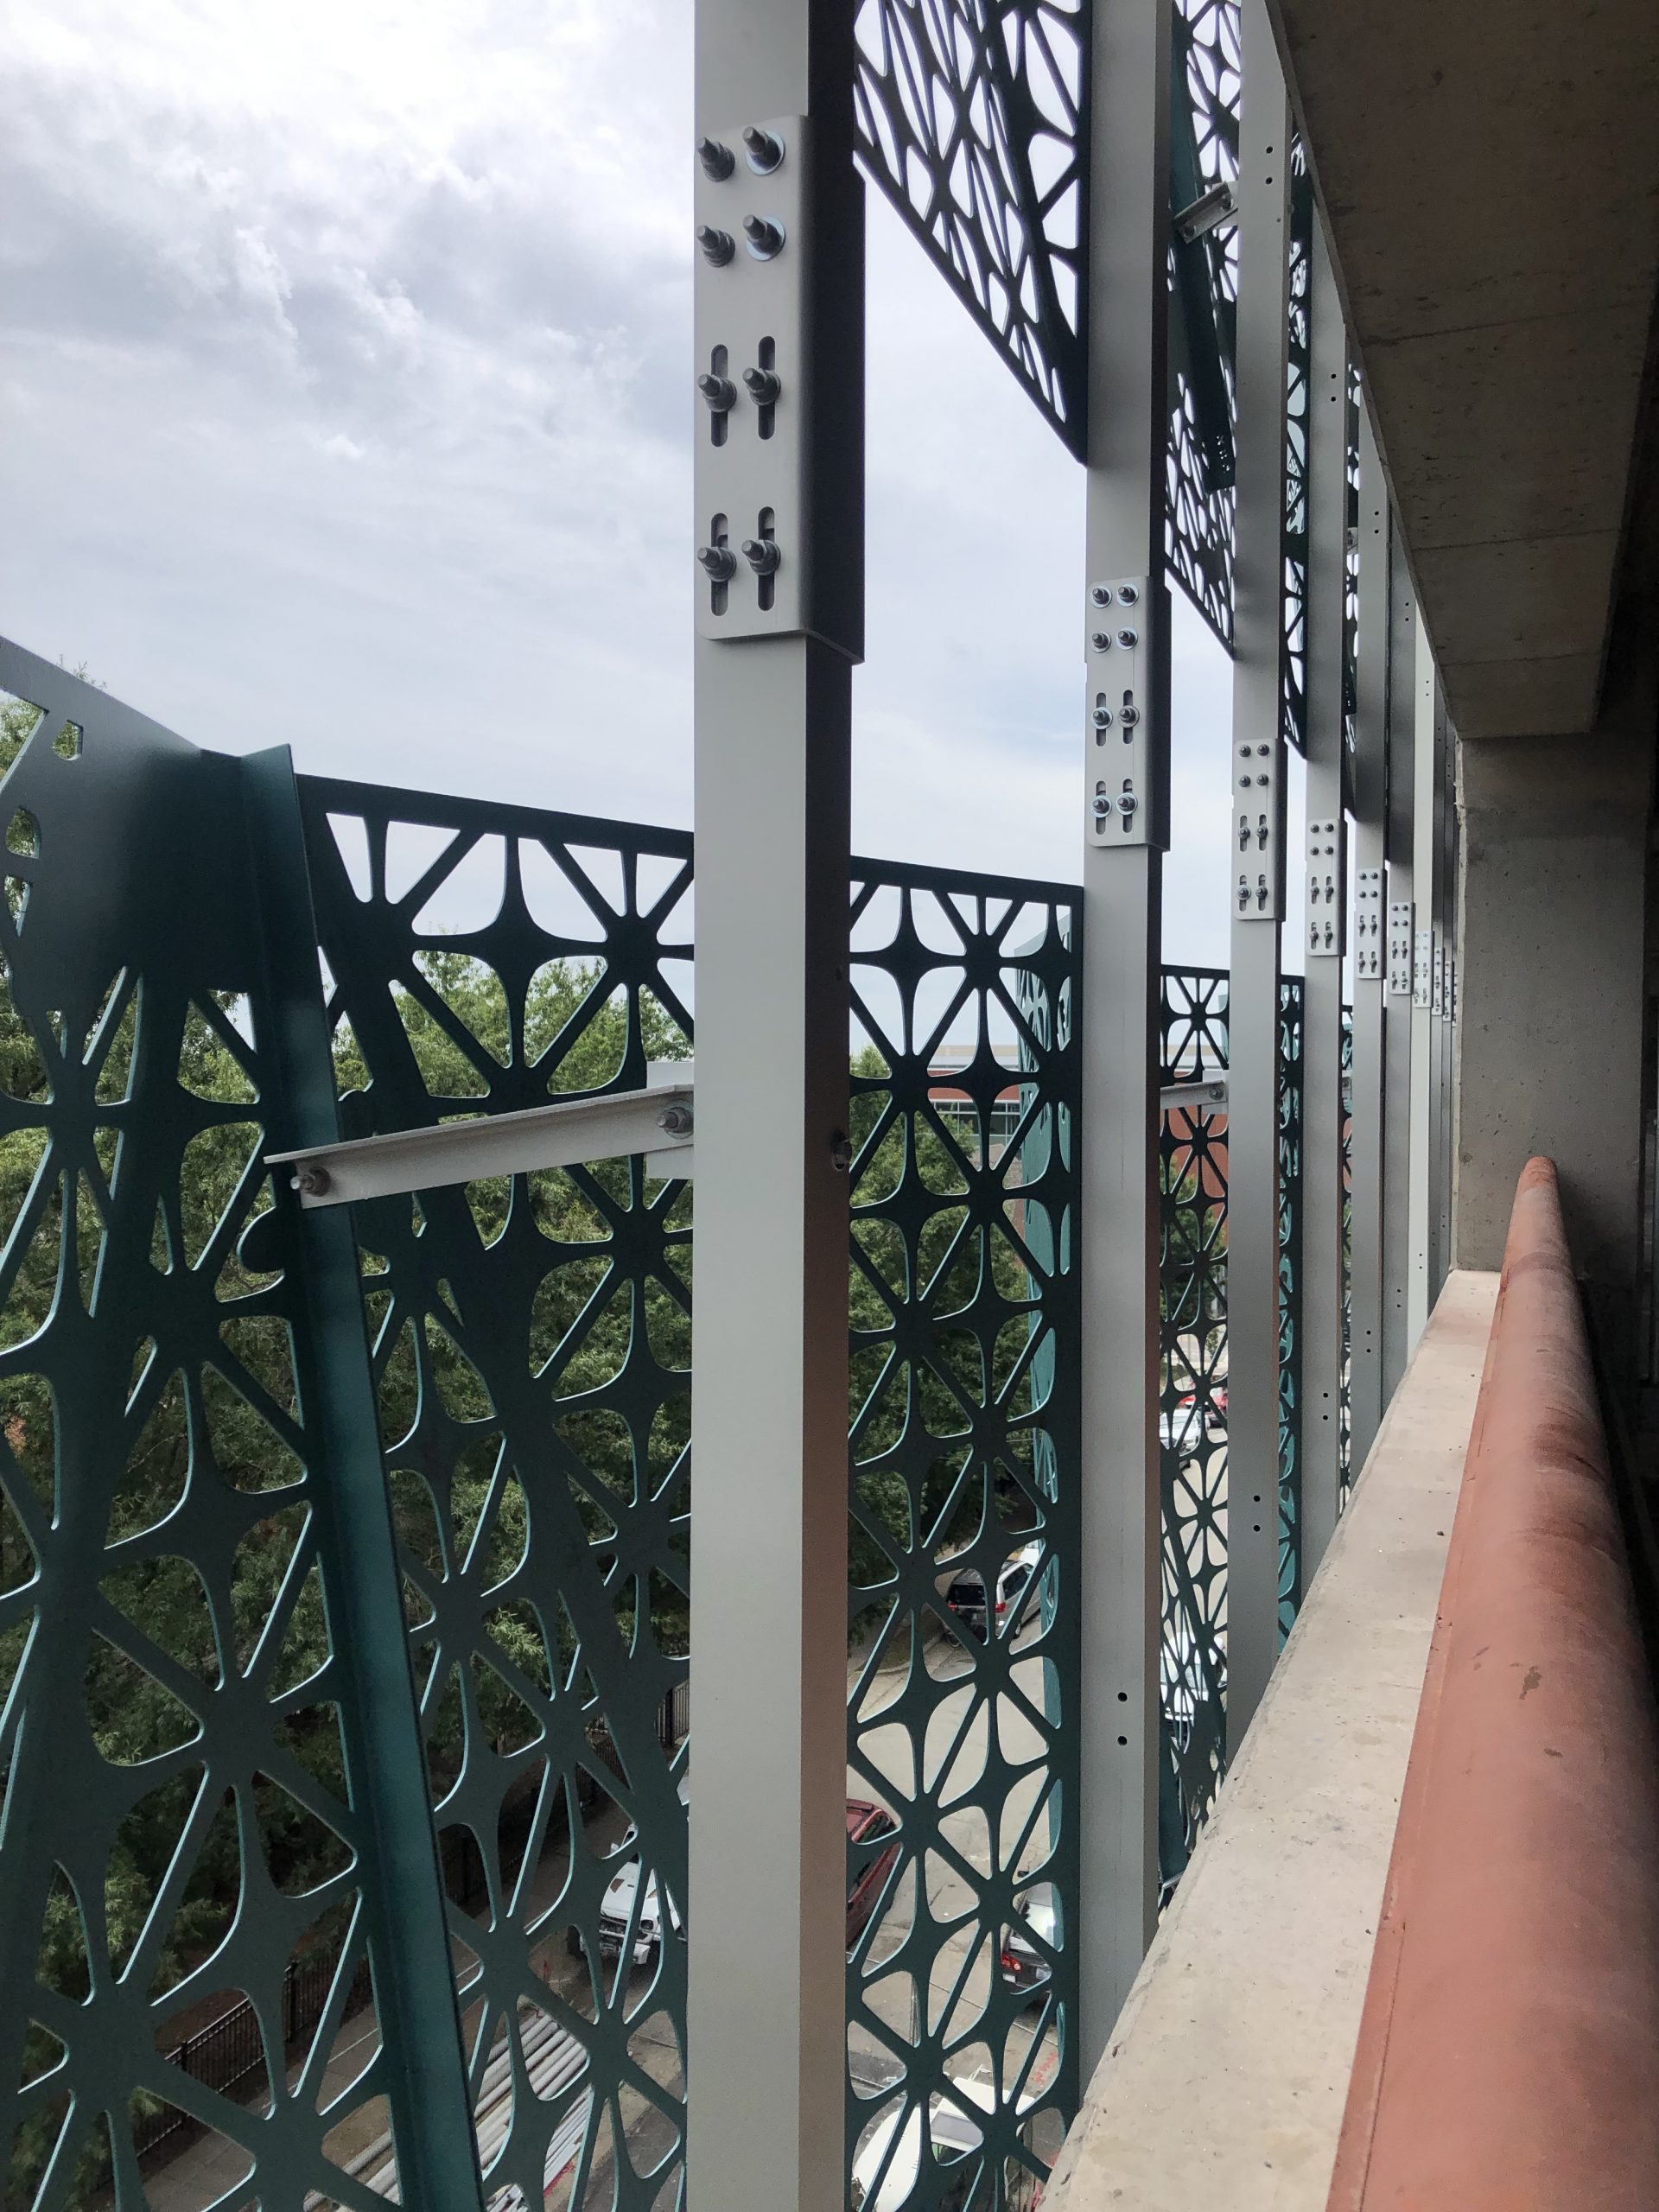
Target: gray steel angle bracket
x=656, y=1123
x=1208, y=1096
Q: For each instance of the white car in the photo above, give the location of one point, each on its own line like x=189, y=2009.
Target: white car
x=955, y=2140
x=966, y=1594
x=955, y=2137
x=616, y=1908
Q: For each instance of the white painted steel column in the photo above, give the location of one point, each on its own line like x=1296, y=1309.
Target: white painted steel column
x=1326, y=908
x=1122, y=876
x=767, y=1918
x=1399, y=947
x=1256, y=873
x=1448, y=745
x=1371, y=948
x=1424, y=1060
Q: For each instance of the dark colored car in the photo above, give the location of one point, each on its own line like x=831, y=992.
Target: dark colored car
x=867, y=1823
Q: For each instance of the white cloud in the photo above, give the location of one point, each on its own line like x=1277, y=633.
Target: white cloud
x=345, y=381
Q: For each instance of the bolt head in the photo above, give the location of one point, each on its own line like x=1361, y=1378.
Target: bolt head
x=764, y=237
x=1130, y=716
x=718, y=162
x=1102, y=718
x=1127, y=638
x=1127, y=593
x=718, y=246
x=1102, y=641
x=764, y=151
x=1102, y=594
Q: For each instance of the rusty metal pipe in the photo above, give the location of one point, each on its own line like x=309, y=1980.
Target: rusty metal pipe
x=1509, y=2050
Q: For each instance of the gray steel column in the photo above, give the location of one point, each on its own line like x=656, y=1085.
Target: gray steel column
x=778, y=630
x=1123, y=877
x=1326, y=905
x=1400, y=947
x=1424, y=1060
x=1256, y=871
x=1448, y=983
x=1370, y=831
x=1438, y=1101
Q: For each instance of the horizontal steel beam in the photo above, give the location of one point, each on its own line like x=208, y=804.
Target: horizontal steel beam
x=1209, y=1097
x=656, y=1123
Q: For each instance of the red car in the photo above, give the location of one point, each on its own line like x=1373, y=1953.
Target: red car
x=865, y=1823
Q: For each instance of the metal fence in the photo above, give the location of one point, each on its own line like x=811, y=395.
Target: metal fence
x=527, y=1355
x=964, y=1518
x=1192, y=1413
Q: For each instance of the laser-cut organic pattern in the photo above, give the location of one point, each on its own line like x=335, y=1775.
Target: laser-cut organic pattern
x=1290, y=1299
x=1351, y=577
x=1293, y=667
x=970, y=119
x=1193, y=1157
x=531, y=1352
x=1201, y=501
x=1345, y=1445
x=177, y=1722
x=962, y=1987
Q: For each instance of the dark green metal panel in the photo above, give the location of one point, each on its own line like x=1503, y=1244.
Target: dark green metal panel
x=192, y=1739
x=1290, y=1300
x=964, y=1455
x=532, y=1359
x=1193, y=1414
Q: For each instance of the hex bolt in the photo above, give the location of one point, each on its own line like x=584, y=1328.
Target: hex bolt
x=1129, y=716
x=1102, y=641
x=674, y=1120
x=1102, y=806
x=764, y=151
x=1127, y=804
x=718, y=162
x=718, y=563
x=718, y=246
x=766, y=238
x=1102, y=718
x=312, y=1180
x=1127, y=593
x=762, y=556
x=1102, y=594
x=763, y=385
x=1127, y=638
x=720, y=392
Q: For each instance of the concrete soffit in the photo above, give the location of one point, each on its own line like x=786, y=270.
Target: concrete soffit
x=1490, y=175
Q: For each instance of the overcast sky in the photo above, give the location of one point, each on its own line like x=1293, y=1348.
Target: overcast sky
x=347, y=404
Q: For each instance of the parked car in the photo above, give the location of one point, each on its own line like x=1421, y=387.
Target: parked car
x=1022, y=1965
x=616, y=1908
x=865, y=1823
x=1189, y=1420
x=966, y=1594
x=955, y=2139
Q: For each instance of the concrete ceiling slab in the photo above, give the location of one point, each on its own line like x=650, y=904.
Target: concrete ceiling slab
x=1514, y=699
x=1490, y=180
x=1518, y=598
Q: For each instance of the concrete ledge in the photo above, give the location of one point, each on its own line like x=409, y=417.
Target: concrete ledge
x=1227, y=2076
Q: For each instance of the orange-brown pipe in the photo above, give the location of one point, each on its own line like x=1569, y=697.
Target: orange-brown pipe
x=1509, y=2050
